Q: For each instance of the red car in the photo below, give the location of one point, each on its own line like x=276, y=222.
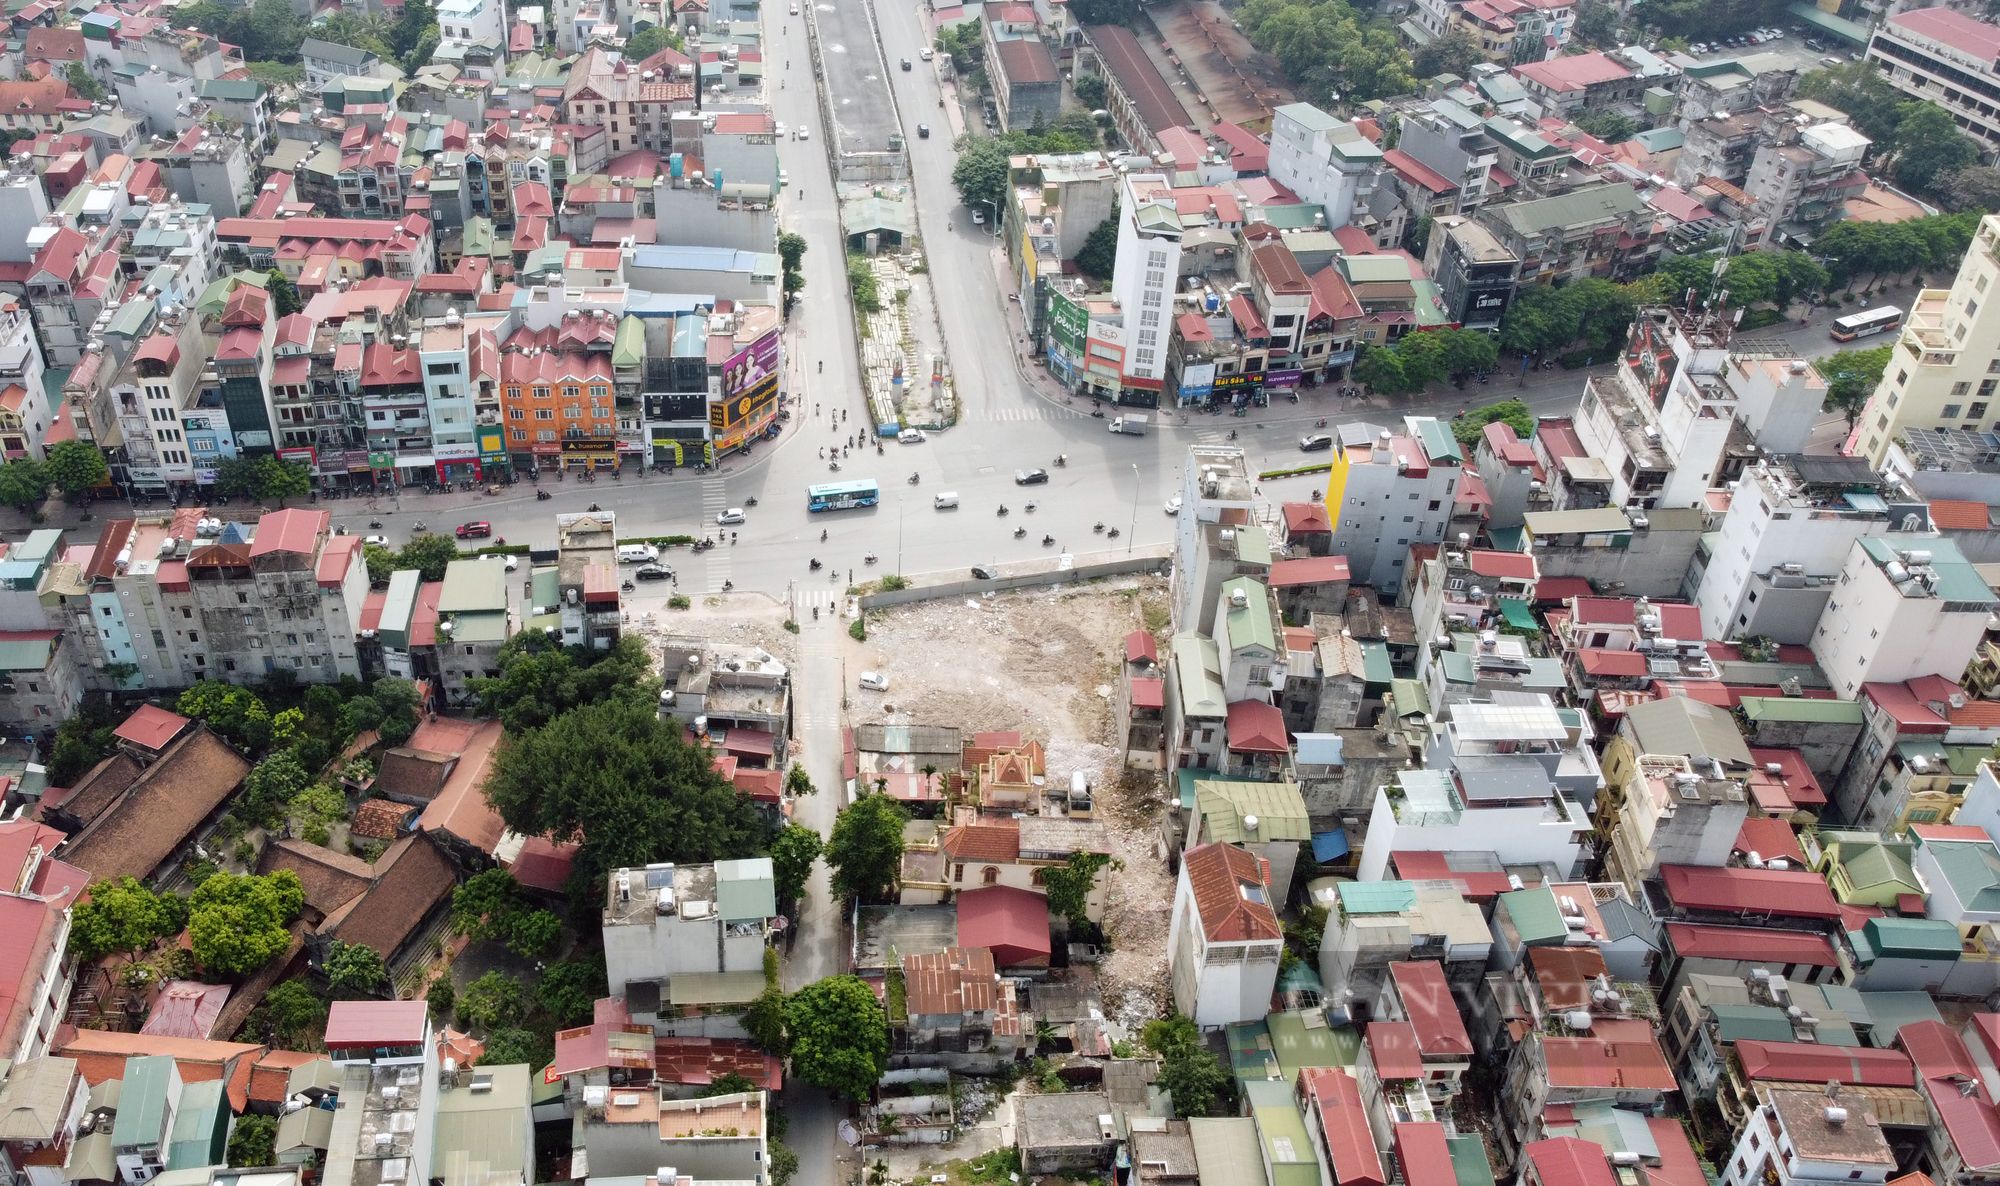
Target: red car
x=478, y=530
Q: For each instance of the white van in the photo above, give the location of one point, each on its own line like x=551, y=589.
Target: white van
x=637, y=553
x=944, y=502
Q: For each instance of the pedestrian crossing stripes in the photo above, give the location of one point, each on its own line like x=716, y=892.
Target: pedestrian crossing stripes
x=810, y=721
x=1034, y=412
x=823, y=598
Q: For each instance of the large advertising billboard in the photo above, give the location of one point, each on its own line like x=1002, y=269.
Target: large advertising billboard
x=750, y=366
x=1069, y=324
x=749, y=393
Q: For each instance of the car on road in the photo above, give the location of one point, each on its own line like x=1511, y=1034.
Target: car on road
x=912, y=436
x=874, y=681
x=1030, y=477
x=1699, y=47
x=637, y=553
x=1314, y=443
x=479, y=530
x=732, y=515
x=380, y=541
x=802, y=134
x=1174, y=505
x=923, y=131
x=513, y=562
x=906, y=65
x=985, y=572
x=925, y=53
x=979, y=218
x=654, y=572
x=781, y=129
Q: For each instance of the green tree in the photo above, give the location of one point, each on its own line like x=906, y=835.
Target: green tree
x=253, y=1141
x=84, y=739
x=980, y=175
x=1187, y=1069
x=866, y=850
x=513, y=1046
x=793, y=851
x=569, y=990
x=270, y=787
x=839, y=1035
x=486, y=905
x=491, y=1002
x=1457, y=52
x=82, y=83
x=535, y=933
x=1873, y=106
x=1089, y=90
x=1069, y=885
x=428, y=554
x=398, y=699
x=123, y=915
x=1976, y=187
x=764, y=1021
x=291, y=1012
x=540, y=680
x=24, y=484
x=730, y=1084
x=1597, y=24
x=1851, y=377
x=1381, y=368
x=442, y=999
x=1929, y=143
x=861, y=282
x=1100, y=251
x=1471, y=426
x=792, y=250
x=76, y=468
x=236, y=713
x=645, y=795
x=798, y=783
x=284, y=294
x=1676, y=274
x=355, y=968
x=238, y=923
x=649, y=41
x=1609, y=126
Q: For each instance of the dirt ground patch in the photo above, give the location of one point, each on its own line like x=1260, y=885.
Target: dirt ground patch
x=1046, y=662
x=734, y=619
x=1241, y=82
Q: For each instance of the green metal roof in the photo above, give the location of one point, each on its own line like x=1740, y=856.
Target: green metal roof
x=1288, y=1151
x=1518, y=613
x=1734, y=1023
x=1914, y=938
x=1971, y=866
x=28, y=654
x=1439, y=443
x=1185, y=782
x=201, y=1124
x=1300, y=1047
x=142, y=1106
x=1798, y=708
x=547, y=588
x=1375, y=661
x=1873, y=865
x=1469, y=1161
x=1377, y=897
x=473, y=585
x=745, y=889
x=1278, y=806
x=1253, y=546
x=1198, y=668
x=1889, y=1012
x=1250, y=1056
x=1409, y=695
x=1536, y=917
x=478, y=237
x=1577, y=208
x=629, y=348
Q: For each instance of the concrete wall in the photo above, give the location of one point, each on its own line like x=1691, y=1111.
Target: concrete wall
x=1652, y=567
x=1143, y=560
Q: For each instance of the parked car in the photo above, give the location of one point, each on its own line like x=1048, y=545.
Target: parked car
x=654, y=572
x=979, y=218
x=637, y=553
x=906, y=65
x=874, y=681
x=925, y=53
x=732, y=515
x=1030, y=477
x=479, y=530
x=802, y=134
x=912, y=436
x=985, y=572
x=1174, y=505
x=1315, y=442
x=923, y=131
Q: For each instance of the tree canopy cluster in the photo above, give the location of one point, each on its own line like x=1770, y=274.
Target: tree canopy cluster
x=266, y=479
x=1918, y=141
x=1546, y=318
x=427, y=553
x=1198, y=1082
x=1330, y=51
x=1851, y=377
x=981, y=172
x=1937, y=243
x=123, y=915
x=271, y=31
x=490, y=905
x=1752, y=278
x=1512, y=412
x=838, y=1035
x=1417, y=360
x=238, y=923
x=866, y=849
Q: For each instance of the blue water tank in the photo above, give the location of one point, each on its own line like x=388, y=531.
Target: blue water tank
x=1214, y=302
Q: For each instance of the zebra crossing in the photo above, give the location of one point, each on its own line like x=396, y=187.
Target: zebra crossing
x=807, y=599
x=1032, y=412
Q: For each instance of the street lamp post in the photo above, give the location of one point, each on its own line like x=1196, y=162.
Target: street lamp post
x=1134, y=529
x=989, y=204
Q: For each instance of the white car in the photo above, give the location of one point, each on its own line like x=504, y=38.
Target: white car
x=781, y=129
x=1174, y=505
x=925, y=53
x=874, y=681
x=803, y=134
x=380, y=541
x=732, y=515
x=911, y=436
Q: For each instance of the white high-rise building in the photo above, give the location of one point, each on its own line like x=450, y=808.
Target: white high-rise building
x=1324, y=160
x=1947, y=367
x=1901, y=612
x=1142, y=281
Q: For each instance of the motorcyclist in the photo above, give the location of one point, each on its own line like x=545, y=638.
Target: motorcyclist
x=822, y=535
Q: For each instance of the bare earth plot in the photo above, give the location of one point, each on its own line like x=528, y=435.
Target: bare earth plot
x=1045, y=662
x=1240, y=81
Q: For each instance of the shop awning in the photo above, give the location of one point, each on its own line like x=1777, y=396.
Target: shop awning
x=1517, y=613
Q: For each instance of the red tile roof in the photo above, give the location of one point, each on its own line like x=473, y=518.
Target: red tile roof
x=1946, y=1068
x=101, y=1055
x=1415, y=171
x=1333, y=297
x=1137, y=77
x=1567, y=1161
x=997, y=840
x=1427, y=999
x=1788, y=893
x=151, y=727
x=1012, y=923
x=1617, y=1053
x=1596, y=662
x=1393, y=1046
x=1770, y=837
x=1806, y=1062
x=376, y=1023
x=1951, y=514
x=1140, y=645
x=296, y=530
x=1232, y=893
x=697, y=1062
x=1309, y=570
x=1306, y=516
x=186, y=1009
x=1256, y=727
x=1507, y=445
x=1425, y=1157
x=1954, y=29
x=1332, y=1093
x=953, y=982
x=1751, y=943
x=1513, y=565
x=1901, y=704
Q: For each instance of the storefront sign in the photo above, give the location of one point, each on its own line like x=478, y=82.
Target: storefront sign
x=449, y=453
x=1197, y=380
x=1281, y=380
x=1340, y=358
x=1069, y=324
x=734, y=421
x=748, y=368
x=307, y=456
x=492, y=442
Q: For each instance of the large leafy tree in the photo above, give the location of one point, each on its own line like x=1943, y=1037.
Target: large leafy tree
x=252, y=1142
x=429, y=554
x=793, y=851
x=1187, y=1069
x=839, y=1036
x=1851, y=377
x=570, y=989
x=494, y=1001
x=355, y=968
x=76, y=468
x=514, y=1045
x=866, y=850
x=284, y=294
x=540, y=679
x=1929, y=143
x=238, y=923
x=1974, y=188
x=236, y=713
x=1454, y=53
x=649, y=41
x=1100, y=251
x=24, y=483
x=981, y=173
x=644, y=795
x=123, y=915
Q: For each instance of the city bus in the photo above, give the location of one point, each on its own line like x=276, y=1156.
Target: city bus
x=1860, y=325
x=839, y=496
